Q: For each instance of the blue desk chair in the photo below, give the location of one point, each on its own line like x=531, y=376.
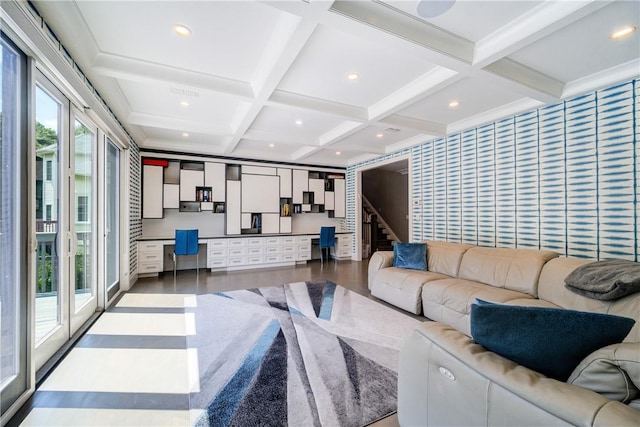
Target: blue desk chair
x=327, y=240
x=186, y=244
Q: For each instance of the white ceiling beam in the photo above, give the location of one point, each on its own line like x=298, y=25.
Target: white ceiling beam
x=547, y=88
x=135, y=70
x=185, y=146
x=507, y=110
x=275, y=137
x=172, y=123
x=409, y=123
x=433, y=80
x=287, y=45
x=531, y=26
x=409, y=142
x=282, y=99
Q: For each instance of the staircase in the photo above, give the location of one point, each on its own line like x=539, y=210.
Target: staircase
x=380, y=238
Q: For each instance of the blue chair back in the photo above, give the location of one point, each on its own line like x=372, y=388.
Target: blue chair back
x=186, y=242
x=327, y=237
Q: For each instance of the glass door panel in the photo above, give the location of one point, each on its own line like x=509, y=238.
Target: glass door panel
x=48, y=305
x=13, y=235
x=82, y=205
x=112, y=223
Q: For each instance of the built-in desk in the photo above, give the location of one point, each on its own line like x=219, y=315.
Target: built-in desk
x=238, y=252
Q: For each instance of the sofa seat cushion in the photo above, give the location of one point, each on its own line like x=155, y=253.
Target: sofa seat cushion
x=449, y=300
x=402, y=287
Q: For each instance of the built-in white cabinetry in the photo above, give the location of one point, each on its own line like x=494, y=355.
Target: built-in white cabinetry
x=214, y=177
x=152, y=182
x=339, y=210
x=257, y=251
x=342, y=249
x=233, y=206
x=285, y=182
x=300, y=184
x=171, y=196
x=150, y=257
x=316, y=186
x=189, y=180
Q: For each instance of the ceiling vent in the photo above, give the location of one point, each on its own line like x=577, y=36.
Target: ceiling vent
x=392, y=130
x=184, y=92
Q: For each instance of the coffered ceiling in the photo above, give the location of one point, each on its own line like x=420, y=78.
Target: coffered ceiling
x=269, y=80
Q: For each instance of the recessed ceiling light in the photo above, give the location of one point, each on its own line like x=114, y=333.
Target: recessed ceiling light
x=353, y=76
x=379, y=135
x=623, y=32
x=298, y=122
x=185, y=134
x=453, y=104
x=271, y=145
x=184, y=103
x=182, y=30
x=338, y=153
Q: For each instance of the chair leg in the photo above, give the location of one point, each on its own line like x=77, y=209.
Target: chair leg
x=321, y=256
x=197, y=266
x=174, y=266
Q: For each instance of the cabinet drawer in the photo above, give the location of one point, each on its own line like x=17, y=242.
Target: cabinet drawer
x=288, y=239
x=216, y=262
x=272, y=258
x=254, y=250
x=271, y=241
x=288, y=257
x=236, y=261
x=237, y=251
x=218, y=243
x=288, y=249
x=304, y=256
x=150, y=257
x=255, y=242
x=304, y=239
x=304, y=248
x=272, y=250
x=255, y=259
x=344, y=252
x=150, y=267
x=150, y=247
x=236, y=242
x=217, y=253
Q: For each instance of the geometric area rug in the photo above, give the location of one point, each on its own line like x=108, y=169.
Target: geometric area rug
x=301, y=354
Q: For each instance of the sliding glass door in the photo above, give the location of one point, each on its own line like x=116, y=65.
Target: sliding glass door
x=14, y=374
x=65, y=210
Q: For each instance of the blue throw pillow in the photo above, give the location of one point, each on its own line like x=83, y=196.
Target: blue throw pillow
x=410, y=255
x=552, y=341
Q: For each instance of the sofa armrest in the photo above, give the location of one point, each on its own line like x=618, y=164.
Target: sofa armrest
x=378, y=261
x=442, y=370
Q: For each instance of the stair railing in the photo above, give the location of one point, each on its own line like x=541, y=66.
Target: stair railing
x=381, y=220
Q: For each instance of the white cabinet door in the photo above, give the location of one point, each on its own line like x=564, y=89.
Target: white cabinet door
x=329, y=200
x=339, y=210
x=214, y=177
x=171, y=196
x=260, y=193
x=300, y=184
x=233, y=207
x=285, y=182
x=316, y=186
x=285, y=224
x=152, y=177
x=270, y=223
x=189, y=180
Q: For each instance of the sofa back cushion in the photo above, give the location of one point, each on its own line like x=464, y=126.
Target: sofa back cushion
x=445, y=257
x=551, y=288
x=513, y=269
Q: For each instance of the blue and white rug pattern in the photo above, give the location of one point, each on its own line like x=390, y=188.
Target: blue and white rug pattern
x=301, y=354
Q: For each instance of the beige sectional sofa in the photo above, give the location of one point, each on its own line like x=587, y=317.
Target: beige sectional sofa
x=445, y=378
